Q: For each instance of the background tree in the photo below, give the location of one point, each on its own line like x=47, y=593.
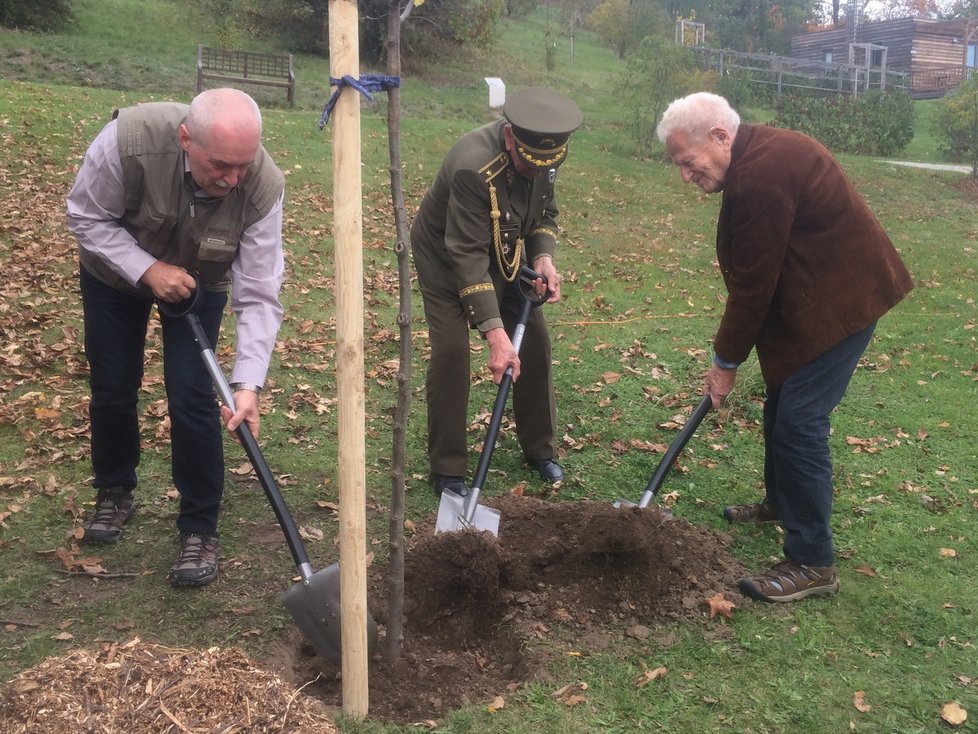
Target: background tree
x=658, y=72
x=759, y=26
x=517, y=8
x=36, y=15
x=432, y=28
x=622, y=24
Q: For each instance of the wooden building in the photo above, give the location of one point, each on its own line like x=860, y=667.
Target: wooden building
x=937, y=54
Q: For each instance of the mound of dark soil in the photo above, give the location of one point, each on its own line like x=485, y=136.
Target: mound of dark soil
x=484, y=614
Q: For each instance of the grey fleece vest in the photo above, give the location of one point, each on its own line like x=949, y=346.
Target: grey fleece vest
x=200, y=234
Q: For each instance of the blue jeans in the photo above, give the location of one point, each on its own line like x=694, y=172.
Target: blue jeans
x=115, y=341
x=797, y=460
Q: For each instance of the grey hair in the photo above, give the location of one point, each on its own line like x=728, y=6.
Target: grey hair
x=211, y=104
x=695, y=114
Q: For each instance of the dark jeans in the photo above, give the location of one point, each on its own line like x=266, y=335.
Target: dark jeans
x=115, y=340
x=797, y=460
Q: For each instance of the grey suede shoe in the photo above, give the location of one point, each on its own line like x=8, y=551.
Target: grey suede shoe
x=196, y=564
x=790, y=581
x=114, y=507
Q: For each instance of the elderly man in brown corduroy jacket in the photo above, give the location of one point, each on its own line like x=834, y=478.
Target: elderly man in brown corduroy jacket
x=809, y=271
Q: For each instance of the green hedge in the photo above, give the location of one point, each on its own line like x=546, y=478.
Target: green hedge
x=875, y=123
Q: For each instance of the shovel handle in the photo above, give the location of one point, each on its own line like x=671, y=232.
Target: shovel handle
x=482, y=469
x=186, y=310
x=250, y=443
x=677, y=445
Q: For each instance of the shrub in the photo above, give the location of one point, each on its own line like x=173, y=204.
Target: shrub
x=875, y=123
x=956, y=123
x=36, y=15
x=657, y=73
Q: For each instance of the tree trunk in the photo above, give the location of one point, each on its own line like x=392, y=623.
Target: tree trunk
x=395, y=572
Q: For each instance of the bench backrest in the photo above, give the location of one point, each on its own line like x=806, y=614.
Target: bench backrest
x=247, y=67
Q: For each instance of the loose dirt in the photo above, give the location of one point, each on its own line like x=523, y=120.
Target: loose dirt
x=485, y=614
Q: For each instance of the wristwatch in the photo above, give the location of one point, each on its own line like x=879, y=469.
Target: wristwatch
x=236, y=386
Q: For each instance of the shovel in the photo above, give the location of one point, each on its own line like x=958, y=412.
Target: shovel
x=681, y=439
x=460, y=513
x=314, y=602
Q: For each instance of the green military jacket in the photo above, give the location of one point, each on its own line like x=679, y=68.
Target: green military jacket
x=483, y=219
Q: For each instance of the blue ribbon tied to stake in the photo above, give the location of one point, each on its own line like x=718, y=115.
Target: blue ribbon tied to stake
x=365, y=85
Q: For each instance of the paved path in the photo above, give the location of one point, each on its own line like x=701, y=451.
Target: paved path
x=931, y=166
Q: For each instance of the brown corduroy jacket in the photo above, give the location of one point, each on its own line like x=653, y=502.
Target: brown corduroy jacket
x=805, y=262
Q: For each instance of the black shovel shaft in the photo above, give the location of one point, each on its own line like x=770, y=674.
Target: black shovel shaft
x=502, y=393
x=482, y=469
x=677, y=445
x=244, y=434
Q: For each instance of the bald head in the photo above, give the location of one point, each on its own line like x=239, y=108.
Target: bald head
x=226, y=110
x=222, y=136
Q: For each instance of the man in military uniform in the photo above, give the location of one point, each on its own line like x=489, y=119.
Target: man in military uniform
x=490, y=210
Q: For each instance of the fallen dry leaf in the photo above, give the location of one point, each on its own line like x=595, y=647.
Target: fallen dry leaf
x=947, y=553
x=311, y=534
x=719, y=605
x=953, y=714
x=859, y=701
x=497, y=703
x=650, y=675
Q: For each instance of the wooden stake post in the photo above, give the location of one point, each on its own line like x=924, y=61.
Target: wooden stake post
x=344, y=54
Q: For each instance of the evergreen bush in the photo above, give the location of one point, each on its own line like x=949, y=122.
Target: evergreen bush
x=875, y=123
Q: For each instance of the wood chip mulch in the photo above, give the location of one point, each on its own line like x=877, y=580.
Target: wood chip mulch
x=136, y=688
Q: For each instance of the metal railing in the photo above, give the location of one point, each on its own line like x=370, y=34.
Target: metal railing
x=781, y=74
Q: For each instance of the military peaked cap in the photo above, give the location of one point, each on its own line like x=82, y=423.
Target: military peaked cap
x=542, y=121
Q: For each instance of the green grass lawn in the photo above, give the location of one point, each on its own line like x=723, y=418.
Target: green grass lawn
x=642, y=300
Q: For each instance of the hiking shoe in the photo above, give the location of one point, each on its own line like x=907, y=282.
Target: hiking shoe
x=790, y=581
x=113, y=509
x=196, y=564
x=757, y=512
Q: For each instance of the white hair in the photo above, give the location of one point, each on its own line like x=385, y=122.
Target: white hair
x=695, y=114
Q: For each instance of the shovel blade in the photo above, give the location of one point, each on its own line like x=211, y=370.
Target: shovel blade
x=315, y=606
x=451, y=515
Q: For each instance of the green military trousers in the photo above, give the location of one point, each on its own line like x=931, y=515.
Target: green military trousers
x=448, y=377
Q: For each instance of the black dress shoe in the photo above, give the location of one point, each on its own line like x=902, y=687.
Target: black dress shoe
x=441, y=482
x=548, y=469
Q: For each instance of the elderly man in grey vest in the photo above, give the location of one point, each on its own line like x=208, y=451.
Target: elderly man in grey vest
x=169, y=196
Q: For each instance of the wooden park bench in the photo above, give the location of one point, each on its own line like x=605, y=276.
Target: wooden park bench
x=245, y=67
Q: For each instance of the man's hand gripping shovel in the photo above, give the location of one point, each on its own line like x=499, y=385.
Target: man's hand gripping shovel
x=669, y=457
x=460, y=513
